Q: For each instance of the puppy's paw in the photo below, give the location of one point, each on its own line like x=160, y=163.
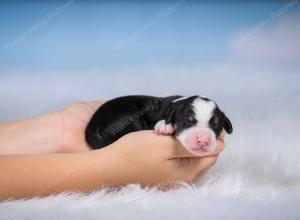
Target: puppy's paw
x=162, y=128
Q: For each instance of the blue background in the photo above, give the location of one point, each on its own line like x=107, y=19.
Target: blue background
x=54, y=53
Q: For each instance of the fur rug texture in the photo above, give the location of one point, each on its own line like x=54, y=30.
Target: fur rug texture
x=256, y=177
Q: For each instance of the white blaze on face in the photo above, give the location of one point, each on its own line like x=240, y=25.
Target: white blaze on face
x=203, y=111
x=196, y=137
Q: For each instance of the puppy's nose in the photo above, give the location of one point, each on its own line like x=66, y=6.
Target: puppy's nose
x=203, y=139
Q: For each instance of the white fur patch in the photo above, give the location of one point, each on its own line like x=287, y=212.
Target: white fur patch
x=203, y=111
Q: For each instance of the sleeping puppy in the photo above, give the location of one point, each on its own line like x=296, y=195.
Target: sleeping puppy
x=195, y=121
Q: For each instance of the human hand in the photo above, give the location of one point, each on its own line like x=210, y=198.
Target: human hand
x=149, y=159
x=74, y=120
x=141, y=157
x=55, y=132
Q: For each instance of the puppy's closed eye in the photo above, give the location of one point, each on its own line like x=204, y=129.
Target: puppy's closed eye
x=190, y=118
x=215, y=120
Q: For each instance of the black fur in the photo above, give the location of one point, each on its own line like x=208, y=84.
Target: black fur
x=123, y=115
x=219, y=121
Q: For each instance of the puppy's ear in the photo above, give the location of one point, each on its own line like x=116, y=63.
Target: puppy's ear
x=227, y=124
x=170, y=114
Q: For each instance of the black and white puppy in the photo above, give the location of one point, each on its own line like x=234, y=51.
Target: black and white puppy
x=195, y=121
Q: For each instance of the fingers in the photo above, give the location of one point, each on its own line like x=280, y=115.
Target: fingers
x=221, y=142
x=200, y=166
x=169, y=147
x=190, y=169
x=222, y=135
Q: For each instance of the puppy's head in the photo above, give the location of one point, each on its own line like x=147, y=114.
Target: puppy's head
x=198, y=122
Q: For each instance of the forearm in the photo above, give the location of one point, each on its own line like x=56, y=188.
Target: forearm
x=26, y=176
x=31, y=136
x=139, y=157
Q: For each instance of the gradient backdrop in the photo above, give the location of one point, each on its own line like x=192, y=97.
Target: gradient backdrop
x=244, y=55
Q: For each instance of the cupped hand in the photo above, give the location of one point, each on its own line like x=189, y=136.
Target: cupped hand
x=139, y=157
x=142, y=157
x=74, y=120
x=149, y=159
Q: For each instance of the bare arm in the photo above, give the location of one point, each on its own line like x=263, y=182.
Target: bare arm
x=40, y=175
x=31, y=136
x=140, y=157
x=57, y=132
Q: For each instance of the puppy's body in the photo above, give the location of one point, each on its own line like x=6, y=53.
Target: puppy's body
x=123, y=115
x=195, y=121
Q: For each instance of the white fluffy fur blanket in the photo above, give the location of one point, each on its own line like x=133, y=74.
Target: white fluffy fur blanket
x=256, y=177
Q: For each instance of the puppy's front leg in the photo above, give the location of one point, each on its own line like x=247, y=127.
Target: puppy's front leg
x=162, y=128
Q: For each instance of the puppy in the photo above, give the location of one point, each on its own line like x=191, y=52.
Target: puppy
x=195, y=121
